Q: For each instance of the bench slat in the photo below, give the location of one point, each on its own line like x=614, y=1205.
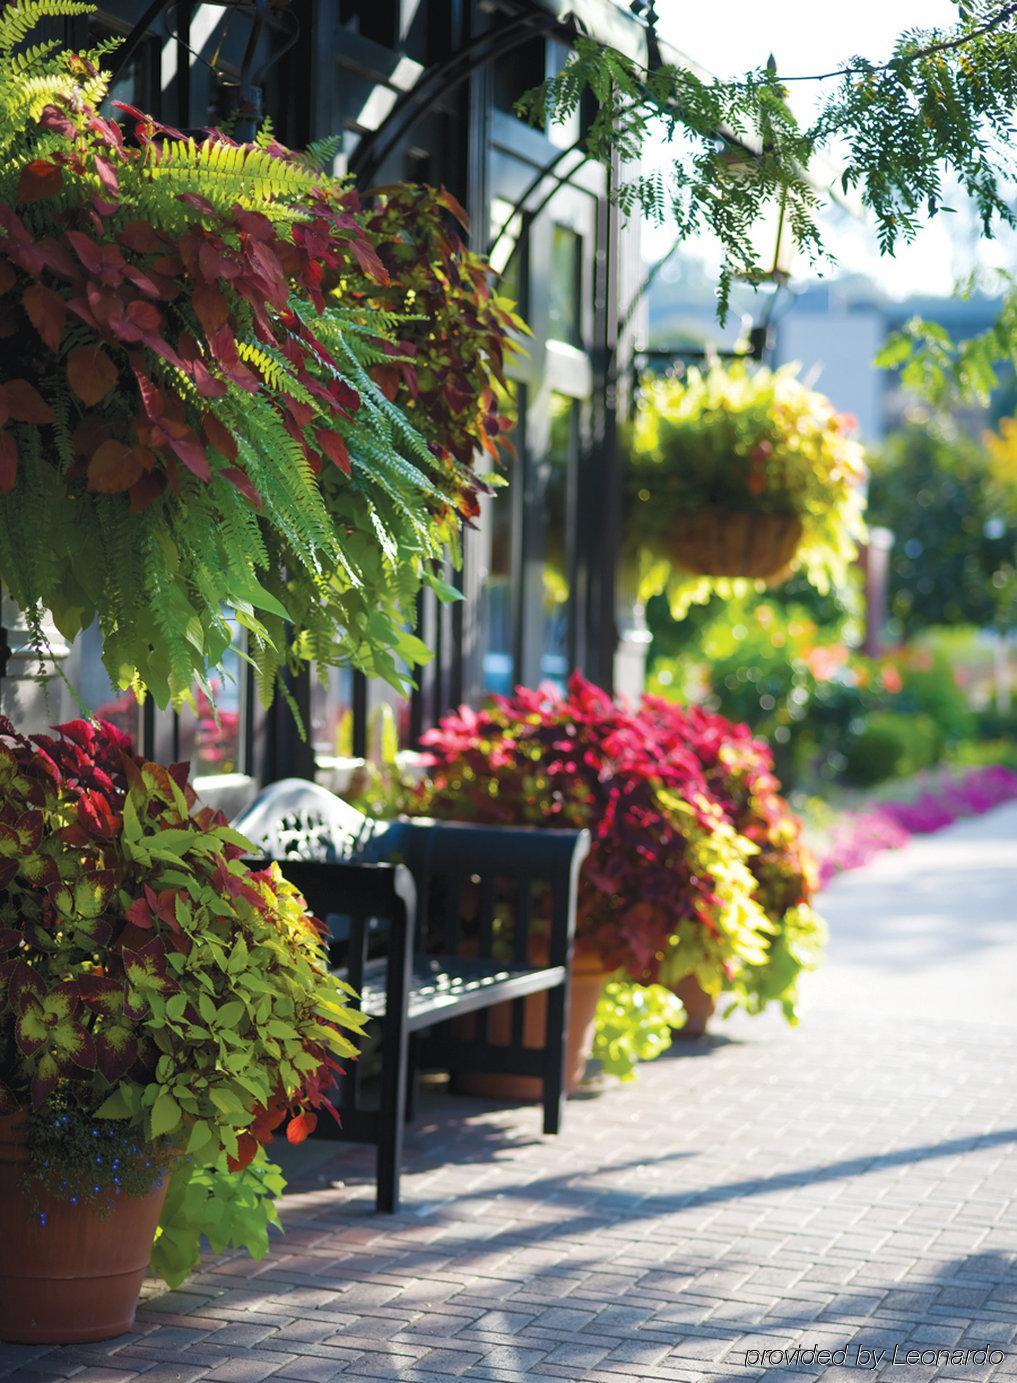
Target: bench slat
x=443, y=987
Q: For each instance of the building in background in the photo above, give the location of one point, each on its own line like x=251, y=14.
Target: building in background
x=833, y=329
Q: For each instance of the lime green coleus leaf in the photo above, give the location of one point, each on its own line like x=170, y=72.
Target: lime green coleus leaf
x=231, y=1209
x=52, y=1021
x=87, y=898
x=120, y=1104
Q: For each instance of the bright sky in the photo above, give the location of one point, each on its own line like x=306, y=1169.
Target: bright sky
x=806, y=37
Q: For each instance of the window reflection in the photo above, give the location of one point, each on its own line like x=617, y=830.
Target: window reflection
x=509, y=253
x=555, y=574
x=498, y=602
x=210, y=734
x=518, y=71
x=332, y=711
x=86, y=671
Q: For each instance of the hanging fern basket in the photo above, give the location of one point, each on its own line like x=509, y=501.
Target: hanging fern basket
x=733, y=542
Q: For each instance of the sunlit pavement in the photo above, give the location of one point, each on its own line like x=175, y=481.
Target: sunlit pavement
x=847, y=1187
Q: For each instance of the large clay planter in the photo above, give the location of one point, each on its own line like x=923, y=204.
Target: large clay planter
x=699, y=1006
x=77, y=1277
x=584, y=994
x=731, y=542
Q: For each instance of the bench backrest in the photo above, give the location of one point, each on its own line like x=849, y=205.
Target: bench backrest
x=297, y=819
x=476, y=886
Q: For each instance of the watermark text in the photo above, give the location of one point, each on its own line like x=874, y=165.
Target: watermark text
x=872, y=1357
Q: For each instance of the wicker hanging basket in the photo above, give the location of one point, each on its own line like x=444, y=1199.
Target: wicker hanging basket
x=732, y=542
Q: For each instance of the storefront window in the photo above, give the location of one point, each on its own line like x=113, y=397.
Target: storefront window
x=332, y=712
x=565, y=286
x=377, y=20
x=508, y=255
x=517, y=72
x=85, y=671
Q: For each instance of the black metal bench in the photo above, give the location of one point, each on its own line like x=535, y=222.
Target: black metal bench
x=429, y=921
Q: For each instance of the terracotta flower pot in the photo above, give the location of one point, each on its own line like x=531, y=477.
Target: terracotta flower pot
x=584, y=994
x=76, y=1277
x=731, y=542
x=699, y=1006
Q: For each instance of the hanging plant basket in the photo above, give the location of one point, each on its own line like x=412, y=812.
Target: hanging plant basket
x=733, y=542
x=740, y=473
x=238, y=402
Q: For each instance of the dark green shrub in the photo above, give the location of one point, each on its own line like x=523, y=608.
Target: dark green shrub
x=953, y=543
x=891, y=745
x=934, y=692
x=994, y=724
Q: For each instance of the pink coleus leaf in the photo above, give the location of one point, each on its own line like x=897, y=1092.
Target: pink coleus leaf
x=334, y=448
x=39, y=179
x=242, y=482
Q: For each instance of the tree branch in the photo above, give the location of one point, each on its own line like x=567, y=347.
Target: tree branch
x=1007, y=12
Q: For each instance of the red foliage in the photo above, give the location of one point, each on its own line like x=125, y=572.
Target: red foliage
x=85, y=941
x=582, y=759
x=149, y=297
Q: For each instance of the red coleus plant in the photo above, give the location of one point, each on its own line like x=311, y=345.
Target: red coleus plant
x=582, y=759
x=455, y=343
x=187, y=284
x=739, y=773
x=697, y=863
x=146, y=974
x=230, y=382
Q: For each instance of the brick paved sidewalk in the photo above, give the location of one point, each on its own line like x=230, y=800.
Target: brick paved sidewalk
x=849, y=1186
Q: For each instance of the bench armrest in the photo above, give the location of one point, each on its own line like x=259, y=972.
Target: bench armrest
x=362, y=892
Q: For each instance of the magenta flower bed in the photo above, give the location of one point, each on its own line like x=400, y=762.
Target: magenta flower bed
x=858, y=836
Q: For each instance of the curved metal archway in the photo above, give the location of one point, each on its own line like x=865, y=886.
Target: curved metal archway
x=436, y=82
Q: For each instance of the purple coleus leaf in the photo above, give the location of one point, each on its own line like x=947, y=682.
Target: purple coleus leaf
x=41, y=871
x=116, y=1050
x=51, y=1021
x=99, y=992
x=22, y=984
x=28, y=829
x=116, y=1043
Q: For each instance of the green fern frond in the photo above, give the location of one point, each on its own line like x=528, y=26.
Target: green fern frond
x=20, y=17
x=229, y=174
x=275, y=370
x=29, y=58
x=30, y=94
x=320, y=154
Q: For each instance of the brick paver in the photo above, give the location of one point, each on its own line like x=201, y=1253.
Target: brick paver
x=848, y=1187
